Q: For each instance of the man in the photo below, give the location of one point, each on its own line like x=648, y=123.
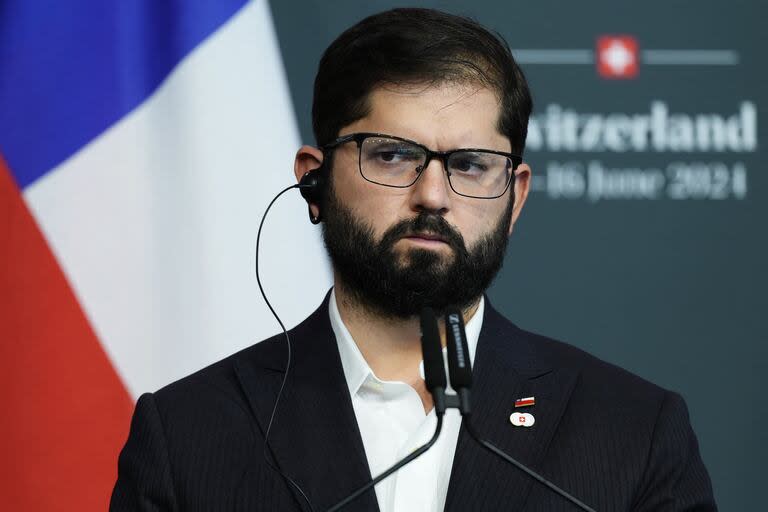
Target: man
x=420, y=118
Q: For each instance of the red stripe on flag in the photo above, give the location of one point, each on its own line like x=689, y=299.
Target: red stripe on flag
x=65, y=412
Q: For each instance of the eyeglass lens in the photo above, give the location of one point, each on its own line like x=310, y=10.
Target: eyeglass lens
x=398, y=163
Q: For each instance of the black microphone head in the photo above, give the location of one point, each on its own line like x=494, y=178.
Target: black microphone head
x=434, y=370
x=459, y=365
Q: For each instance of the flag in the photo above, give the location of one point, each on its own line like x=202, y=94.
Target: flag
x=140, y=143
x=525, y=402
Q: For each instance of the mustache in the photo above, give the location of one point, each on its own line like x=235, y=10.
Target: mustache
x=424, y=222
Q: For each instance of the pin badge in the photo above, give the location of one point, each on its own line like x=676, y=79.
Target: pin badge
x=525, y=402
x=522, y=419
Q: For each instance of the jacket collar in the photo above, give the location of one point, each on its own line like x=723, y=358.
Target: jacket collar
x=509, y=365
x=314, y=438
x=316, y=441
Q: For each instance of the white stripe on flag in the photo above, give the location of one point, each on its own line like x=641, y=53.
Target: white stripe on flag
x=154, y=222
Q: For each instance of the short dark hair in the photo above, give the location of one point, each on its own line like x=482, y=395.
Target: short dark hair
x=414, y=46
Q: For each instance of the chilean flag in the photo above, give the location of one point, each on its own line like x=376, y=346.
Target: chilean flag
x=140, y=142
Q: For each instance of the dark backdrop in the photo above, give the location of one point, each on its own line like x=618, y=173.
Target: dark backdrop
x=644, y=240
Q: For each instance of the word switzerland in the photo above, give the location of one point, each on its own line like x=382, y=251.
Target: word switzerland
x=562, y=129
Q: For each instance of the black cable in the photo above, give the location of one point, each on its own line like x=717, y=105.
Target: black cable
x=346, y=501
x=493, y=448
x=288, y=361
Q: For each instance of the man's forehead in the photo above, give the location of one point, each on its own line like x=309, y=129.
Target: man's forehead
x=464, y=111
x=450, y=91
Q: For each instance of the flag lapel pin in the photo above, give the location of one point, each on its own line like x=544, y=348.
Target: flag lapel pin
x=525, y=402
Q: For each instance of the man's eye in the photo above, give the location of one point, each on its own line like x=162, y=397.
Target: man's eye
x=395, y=155
x=387, y=156
x=469, y=165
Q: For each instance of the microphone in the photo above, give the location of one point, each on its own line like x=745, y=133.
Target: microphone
x=434, y=371
x=459, y=365
x=434, y=378
x=460, y=371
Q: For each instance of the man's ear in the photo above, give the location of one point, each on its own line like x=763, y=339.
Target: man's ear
x=522, y=186
x=308, y=159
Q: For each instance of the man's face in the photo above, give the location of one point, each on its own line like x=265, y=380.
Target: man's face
x=397, y=250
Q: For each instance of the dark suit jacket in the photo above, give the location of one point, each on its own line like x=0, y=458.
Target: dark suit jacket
x=604, y=435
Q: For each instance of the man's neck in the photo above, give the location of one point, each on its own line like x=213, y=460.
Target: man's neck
x=390, y=346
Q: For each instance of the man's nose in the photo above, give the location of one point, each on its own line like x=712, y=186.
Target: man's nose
x=432, y=191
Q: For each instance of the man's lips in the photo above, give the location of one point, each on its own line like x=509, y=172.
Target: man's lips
x=429, y=238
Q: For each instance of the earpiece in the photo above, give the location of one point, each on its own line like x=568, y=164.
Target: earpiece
x=312, y=185
x=312, y=188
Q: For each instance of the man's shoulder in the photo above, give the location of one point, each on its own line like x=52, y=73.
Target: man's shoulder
x=205, y=427
x=613, y=422
x=601, y=396
x=596, y=376
x=215, y=393
x=564, y=354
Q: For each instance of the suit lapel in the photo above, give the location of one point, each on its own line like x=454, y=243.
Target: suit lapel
x=314, y=437
x=506, y=368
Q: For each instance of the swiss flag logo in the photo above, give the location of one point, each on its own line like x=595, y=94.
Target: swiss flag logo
x=617, y=57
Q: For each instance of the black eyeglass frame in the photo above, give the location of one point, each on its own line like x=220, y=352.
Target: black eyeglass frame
x=443, y=156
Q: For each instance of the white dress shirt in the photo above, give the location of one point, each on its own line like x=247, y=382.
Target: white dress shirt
x=392, y=423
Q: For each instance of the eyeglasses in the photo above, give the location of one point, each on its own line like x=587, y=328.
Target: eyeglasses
x=396, y=162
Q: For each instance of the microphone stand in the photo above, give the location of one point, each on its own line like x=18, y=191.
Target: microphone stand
x=497, y=451
x=460, y=371
x=343, y=503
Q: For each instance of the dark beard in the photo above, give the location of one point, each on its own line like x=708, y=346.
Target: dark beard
x=400, y=286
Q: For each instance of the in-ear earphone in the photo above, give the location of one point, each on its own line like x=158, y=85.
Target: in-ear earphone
x=312, y=188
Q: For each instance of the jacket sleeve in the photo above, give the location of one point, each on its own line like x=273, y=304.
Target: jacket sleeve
x=675, y=478
x=144, y=479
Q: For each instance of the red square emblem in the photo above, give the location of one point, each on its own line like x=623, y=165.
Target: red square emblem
x=617, y=56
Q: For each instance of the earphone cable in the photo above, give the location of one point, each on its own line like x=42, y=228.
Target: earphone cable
x=288, y=361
